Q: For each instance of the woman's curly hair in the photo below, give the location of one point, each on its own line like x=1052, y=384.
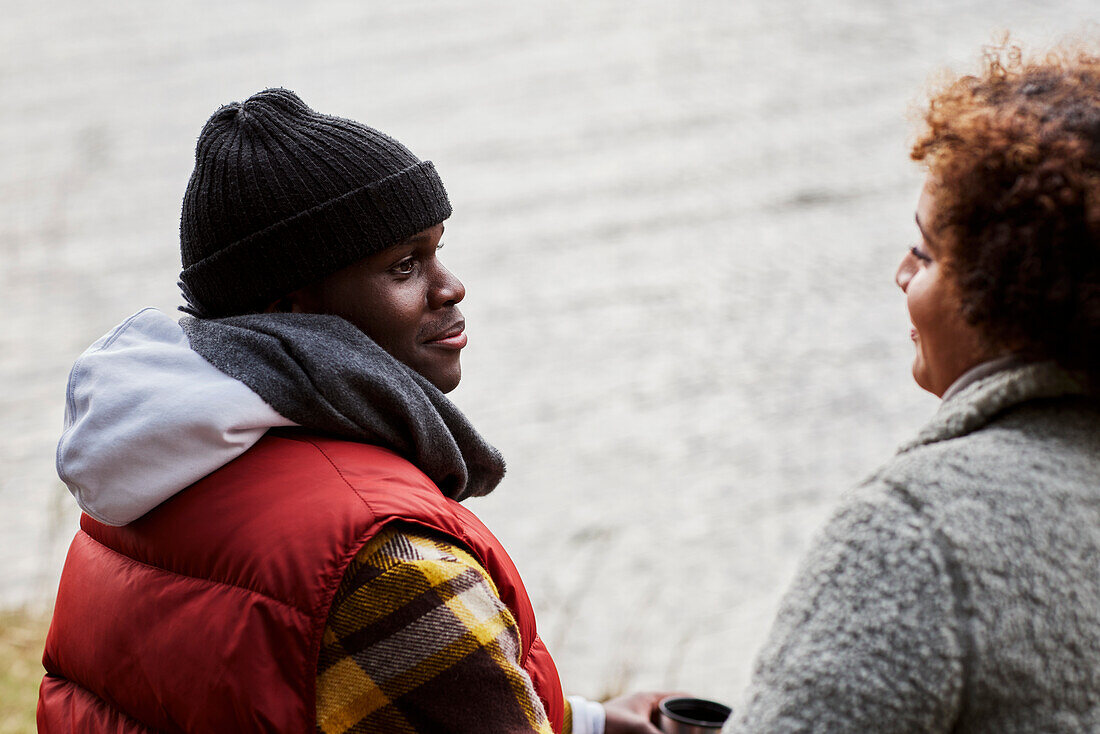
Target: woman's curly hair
x=1014, y=160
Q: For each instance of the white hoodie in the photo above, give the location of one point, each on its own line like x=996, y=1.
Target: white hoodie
x=146, y=416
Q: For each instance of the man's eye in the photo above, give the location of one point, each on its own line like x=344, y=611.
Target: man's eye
x=405, y=267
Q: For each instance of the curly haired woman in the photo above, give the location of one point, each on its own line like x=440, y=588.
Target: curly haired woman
x=958, y=589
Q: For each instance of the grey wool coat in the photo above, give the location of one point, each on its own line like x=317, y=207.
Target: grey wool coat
x=958, y=588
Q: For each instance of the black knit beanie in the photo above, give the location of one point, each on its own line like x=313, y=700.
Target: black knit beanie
x=282, y=196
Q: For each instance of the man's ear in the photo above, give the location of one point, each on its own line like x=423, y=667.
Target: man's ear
x=283, y=305
x=295, y=302
x=304, y=300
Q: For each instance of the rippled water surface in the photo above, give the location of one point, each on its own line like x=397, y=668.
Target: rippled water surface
x=677, y=224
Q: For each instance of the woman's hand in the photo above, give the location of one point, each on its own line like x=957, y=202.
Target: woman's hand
x=634, y=714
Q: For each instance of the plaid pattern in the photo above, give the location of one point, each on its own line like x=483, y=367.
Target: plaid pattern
x=418, y=640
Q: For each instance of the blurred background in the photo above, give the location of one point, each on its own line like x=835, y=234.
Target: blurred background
x=677, y=222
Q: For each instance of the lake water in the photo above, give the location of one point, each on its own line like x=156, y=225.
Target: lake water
x=677, y=224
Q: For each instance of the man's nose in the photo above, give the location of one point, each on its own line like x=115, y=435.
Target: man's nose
x=449, y=289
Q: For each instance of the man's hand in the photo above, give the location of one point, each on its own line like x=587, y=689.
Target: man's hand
x=635, y=713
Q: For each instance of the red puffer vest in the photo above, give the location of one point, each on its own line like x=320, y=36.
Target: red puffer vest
x=206, y=614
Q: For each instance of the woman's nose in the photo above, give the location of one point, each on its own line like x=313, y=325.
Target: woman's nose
x=905, y=272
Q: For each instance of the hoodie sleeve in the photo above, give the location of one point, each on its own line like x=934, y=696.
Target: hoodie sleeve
x=866, y=639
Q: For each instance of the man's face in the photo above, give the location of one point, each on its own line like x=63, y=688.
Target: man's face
x=405, y=300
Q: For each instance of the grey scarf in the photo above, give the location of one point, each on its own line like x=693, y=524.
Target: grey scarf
x=328, y=376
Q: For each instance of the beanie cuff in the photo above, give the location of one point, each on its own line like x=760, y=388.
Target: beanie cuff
x=251, y=273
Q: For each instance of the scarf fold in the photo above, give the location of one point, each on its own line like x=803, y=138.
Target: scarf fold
x=326, y=375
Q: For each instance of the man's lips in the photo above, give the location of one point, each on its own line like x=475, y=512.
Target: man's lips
x=451, y=338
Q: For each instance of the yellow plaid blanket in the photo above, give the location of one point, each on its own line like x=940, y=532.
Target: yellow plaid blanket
x=418, y=640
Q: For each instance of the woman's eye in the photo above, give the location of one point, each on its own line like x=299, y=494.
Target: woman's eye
x=920, y=254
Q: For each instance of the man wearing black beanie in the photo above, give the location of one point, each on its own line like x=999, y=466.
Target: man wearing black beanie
x=273, y=539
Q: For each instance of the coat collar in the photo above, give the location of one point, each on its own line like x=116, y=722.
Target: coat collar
x=980, y=401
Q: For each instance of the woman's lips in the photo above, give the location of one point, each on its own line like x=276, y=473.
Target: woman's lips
x=913, y=333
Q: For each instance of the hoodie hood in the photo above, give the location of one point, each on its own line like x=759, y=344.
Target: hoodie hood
x=147, y=416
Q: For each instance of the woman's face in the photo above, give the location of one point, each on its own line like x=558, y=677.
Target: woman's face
x=946, y=346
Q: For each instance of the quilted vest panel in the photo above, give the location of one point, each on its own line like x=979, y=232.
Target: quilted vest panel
x=206, y=614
